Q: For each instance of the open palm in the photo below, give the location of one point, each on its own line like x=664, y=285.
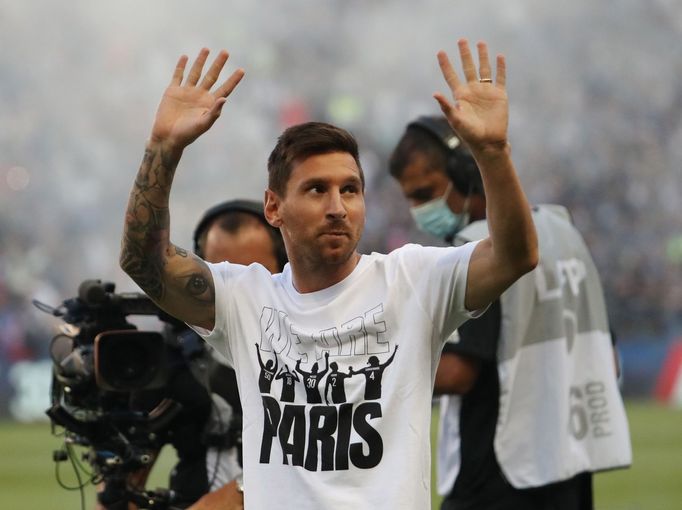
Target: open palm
x=480, y=112
x=189, y=109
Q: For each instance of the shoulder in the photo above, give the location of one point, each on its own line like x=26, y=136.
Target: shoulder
x=420, y=252
x=236, y=274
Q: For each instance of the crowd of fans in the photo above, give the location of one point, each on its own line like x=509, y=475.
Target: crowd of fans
x=595, y=125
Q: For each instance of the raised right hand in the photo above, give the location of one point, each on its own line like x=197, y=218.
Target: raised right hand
x=189, y=109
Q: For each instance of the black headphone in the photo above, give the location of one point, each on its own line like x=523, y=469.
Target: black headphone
x=240, y=205
x=460, y=165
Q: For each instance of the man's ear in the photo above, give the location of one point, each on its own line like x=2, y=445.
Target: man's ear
x=272, y=203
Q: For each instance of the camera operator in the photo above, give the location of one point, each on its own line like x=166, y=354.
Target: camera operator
x=235, y=231
x=517, y=429
x=207, y=433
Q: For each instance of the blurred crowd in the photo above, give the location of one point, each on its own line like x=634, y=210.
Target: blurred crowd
x=595, y=125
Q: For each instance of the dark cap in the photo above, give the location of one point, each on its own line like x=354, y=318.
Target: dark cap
x=239, y=205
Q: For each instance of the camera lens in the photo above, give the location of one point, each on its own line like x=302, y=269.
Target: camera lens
x=129, y=360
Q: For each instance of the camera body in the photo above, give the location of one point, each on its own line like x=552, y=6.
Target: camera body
x=112, y=391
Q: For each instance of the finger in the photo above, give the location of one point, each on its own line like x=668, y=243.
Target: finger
x=501, y=73
x=217, y=107
x=213, y=72
x=467, y=60
x=195, y=72
x=212, y=115
x=226, y=88
x=179, y=70
x=446, y=106
x=484, y=70
x=448, y=71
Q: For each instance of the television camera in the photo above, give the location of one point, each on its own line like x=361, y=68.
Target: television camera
x=104, y=372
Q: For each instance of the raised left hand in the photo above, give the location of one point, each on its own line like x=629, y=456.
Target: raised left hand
x=480, y=111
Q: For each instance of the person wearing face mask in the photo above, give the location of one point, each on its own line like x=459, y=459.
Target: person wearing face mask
x=519, y=385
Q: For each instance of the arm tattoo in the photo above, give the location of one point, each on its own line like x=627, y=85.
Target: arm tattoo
x=145, y=241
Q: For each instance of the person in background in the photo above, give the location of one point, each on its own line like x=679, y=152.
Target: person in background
x=530, y=404
x=234, y=231
x=207, y=434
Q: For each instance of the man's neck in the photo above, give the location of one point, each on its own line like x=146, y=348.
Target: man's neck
x=314, y=277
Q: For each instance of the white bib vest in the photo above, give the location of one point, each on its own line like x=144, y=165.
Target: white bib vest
x=560, y=411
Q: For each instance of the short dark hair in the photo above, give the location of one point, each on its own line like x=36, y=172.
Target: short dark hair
x=432, y=137
x=417, y=141
x=233, y=215
x=302, y=141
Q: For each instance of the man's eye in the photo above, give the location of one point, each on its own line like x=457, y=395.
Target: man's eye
x=196, y=285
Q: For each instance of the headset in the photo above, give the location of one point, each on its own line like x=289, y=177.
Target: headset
x=460, y=165
x=240, y=205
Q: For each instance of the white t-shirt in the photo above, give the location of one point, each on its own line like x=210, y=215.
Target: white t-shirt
x=336, y=384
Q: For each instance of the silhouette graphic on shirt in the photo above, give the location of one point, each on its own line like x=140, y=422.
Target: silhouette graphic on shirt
x=288, y=386
x=267, y=372
x=335, y=381
x=373, y=373
x=311, y=380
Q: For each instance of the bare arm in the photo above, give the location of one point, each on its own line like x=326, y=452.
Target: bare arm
x=176, y=280
x=228, y=497
x=456, y=374
x=480, y=116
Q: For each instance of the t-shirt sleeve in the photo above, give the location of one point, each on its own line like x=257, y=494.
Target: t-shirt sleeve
x=478, y=338
x=223, y=273
x=438, y=276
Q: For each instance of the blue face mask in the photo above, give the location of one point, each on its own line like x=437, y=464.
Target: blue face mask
x=436, y=218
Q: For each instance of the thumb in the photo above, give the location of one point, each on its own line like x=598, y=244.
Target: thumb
x=445, y=105
x=448, y=109
x=217, y=107
x=209, y=117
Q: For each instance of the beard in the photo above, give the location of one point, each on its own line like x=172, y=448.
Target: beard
x=323, y=249
x=334, y=252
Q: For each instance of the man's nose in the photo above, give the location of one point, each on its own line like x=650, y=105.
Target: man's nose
x=335, y=206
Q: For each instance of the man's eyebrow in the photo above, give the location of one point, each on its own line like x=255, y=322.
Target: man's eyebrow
x=312, y=181
x=355, y=179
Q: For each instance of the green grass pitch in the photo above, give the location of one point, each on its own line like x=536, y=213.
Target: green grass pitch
x=654, y=482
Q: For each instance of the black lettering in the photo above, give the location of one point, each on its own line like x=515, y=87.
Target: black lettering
x=322, y=451
x=343, y=435
x=322, y=432
x=367, y=411
x=293, y=417
x=271, y=416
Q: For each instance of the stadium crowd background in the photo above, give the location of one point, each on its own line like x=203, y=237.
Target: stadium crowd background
x=596, y=125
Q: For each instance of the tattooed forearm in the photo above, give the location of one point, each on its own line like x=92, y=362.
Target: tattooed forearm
x=178, y=281
x=156, y=175
x=143, y=270
x=145, y=243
